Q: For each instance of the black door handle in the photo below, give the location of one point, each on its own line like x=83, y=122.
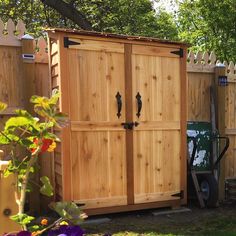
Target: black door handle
x=139, y=103
x=119, y=104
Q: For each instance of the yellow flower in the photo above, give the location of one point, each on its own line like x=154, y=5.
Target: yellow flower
x=64, y=223
x=52, y=147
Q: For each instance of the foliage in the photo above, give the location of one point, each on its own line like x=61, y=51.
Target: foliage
x=3, y=106
x=34, y=136
x=136, y=17
x=69, y=211
x=202, y=23
x=33, y=13
x=206, y=26
x=128, y=17
x=46, y=189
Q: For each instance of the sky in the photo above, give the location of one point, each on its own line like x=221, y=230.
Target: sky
x=166, y=4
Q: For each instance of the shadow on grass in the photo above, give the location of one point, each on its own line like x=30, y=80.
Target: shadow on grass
x=198, y=222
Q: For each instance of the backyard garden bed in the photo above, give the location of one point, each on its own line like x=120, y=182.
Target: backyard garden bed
x=217, y=221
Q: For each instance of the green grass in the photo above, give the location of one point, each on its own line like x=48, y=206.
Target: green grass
x=202, y=223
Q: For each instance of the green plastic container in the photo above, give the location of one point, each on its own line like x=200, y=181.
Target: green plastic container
x=202, y=131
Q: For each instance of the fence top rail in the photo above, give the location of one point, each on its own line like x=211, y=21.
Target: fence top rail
x=11, y=33
x=204, y=62
x=41, y=53
x=201, y=62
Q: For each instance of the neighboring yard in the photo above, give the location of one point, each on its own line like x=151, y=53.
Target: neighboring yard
x=219, y=221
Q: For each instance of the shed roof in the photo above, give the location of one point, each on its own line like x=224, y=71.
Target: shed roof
x=114, y=36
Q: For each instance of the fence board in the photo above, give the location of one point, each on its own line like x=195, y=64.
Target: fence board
x=11, y=77
x=230, y=123
x=199, y=96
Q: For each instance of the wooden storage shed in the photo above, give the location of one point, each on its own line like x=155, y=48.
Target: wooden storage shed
x=125, y=146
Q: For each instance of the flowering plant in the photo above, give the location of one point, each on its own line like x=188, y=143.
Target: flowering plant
x=34, y=135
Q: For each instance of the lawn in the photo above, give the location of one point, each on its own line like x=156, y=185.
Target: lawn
x=217, y=222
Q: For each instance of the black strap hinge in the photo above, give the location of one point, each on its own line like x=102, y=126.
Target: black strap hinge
x=180, y=194
x=68, y=42
x=180, y=52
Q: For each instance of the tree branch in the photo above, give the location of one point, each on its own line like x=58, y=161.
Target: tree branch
x=65, y=9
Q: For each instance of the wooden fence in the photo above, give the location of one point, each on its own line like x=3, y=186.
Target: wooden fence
x=20, y=78
x=202, y=73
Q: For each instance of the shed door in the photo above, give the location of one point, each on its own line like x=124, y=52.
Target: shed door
x=156, y=78
x=96, y=80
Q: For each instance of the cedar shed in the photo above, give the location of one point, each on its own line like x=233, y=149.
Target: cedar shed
x=125, y=146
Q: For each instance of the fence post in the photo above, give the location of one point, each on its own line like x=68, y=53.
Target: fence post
x=220, y=70
x=28, y=56
x=28, y=69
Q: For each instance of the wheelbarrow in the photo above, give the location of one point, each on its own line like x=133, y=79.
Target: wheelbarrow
x=202, y=165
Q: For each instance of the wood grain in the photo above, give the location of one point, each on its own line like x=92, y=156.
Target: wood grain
x=183, y=124
x=112, y=167
x=65, y=108
x=97, y=137
x=157, y=138
x=129, y=118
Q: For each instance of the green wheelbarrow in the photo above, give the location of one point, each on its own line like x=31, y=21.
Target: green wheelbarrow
x=204, y=161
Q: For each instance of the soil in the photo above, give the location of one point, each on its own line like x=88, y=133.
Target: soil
x=217, y=221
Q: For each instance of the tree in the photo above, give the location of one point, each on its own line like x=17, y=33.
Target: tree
x=135, y=17
x=209, y=25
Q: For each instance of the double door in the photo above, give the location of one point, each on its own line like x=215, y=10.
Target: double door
x=125, y=123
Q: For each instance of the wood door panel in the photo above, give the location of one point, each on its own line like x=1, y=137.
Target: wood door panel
x=157, y=138
x=156, y=163
x=157, y=80
x=98, y=166
x=104, y=202
x=154, y=51
x=92, y=45
x=171, y=89
x=95, y=79
x=98, y=157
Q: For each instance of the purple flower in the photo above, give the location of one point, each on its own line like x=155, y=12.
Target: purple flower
x=65, y=230
x=24, y=233
x=21, y=233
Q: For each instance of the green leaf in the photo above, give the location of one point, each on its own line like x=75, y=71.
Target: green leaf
x=22, y=219
x=6, y=173
x=11, y=168
x=4, y=140
x=3, y=106
x=46, y=125
x=26, y=142
x=40, y=101
x=55, y=96
x=47, y=188
x=24, y=113
x=14, y=122
x=34, y=228
x=51, y=136
x=68, y=211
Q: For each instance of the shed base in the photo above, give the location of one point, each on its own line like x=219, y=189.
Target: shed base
x=115, y=209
